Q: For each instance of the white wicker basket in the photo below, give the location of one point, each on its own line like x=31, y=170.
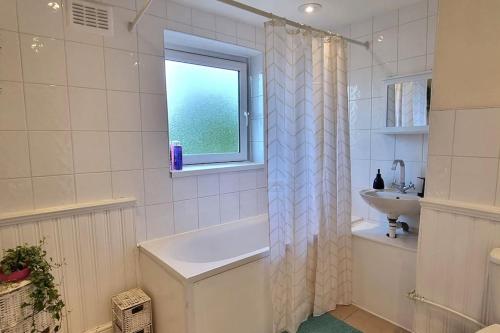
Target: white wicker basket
x=147, y=329
x=132, y=311
x=14, y=318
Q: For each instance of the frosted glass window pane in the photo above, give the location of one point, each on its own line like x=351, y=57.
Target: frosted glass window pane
x=203, y=108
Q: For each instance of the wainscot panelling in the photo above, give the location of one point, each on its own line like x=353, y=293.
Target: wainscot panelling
x=96, y=244
x=455, y=240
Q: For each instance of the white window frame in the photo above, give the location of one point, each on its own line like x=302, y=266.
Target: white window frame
x=213, y=61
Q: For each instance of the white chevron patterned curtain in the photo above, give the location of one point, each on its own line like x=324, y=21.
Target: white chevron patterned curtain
x=309, y=174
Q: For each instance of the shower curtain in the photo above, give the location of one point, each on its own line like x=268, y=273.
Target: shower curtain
x=309, y=174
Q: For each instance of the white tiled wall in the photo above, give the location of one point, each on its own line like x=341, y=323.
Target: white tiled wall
x=83, y=118
x=402, y=41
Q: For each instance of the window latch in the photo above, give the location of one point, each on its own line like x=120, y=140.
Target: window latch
x=247, y=115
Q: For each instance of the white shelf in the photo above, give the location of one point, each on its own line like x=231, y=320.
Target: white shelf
x=403, y=130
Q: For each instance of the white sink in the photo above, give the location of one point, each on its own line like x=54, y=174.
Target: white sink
x=392, y=202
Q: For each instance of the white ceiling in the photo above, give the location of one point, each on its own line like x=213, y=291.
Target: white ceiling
x=335, y=13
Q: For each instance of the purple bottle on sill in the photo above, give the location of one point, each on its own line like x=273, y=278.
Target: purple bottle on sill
x=176, y=155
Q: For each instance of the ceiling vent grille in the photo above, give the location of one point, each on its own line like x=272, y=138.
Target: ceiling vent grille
x=91, y=17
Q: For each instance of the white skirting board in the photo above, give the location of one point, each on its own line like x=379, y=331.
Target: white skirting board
x=455, y=240
x=97, y=244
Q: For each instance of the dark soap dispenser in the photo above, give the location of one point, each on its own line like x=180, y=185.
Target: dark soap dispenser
x=378, y=182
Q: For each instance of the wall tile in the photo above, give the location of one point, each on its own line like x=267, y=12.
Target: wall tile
x=16, y=195
x=433, y=7
x=47, y=107
x=178, y=13
x=412, y=39
x=382, y=146
x=360, y=114
x=245, y=31
x=93, y=187
x=185, y=188
x=386, y=20
x=51, y=153
x=247, y=180
x=85, y=65
x=385, y=46
x=379, y=107
x=43, y=60
x=497, y=201
x=230, y=207
x=412, y=65
x=185, y=215
x=360, y=174
x=128, y=184
x=409, y=147
x=53, y=191
x=8, y=15
x=88, y=109
x=208, y=185
x=360, y=57
x=262, y=201
x=177, y=26
x=154, y=112
x=121, y=70
x=413, y=12
x=203, y=20
x=91, y=151
x=261, y=177
x=225, y=38
x=360, y=144
x=229, y=182
x=152, y=74
x=431, y=33
x=380, y=73
x=248, y=203
x=225, y=26
x=158, y=186
x=10, y=57
x=474, y=179
x=14, y=161
x=360, y=84
x=158, y=8
x=209, y=211
x=73, y=34
x=361, y=28
x=150, y=31
x=126, y=150
x=203, y=33
x=477, y=133
x=160, y=220
x=124, y=112
x=442, y=126
x=37, y=17
x=155, y=149
x=12, y=114
x=122, y=39
x=141, y=232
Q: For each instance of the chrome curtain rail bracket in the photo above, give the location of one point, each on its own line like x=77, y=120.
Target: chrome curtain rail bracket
x=271, y=16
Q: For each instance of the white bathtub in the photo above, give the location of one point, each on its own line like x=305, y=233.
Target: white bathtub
x=213, y=280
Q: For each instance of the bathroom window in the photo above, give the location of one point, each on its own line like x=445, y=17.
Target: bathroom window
x=207, y=106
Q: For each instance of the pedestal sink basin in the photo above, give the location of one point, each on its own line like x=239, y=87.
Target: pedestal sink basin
x=392, y=202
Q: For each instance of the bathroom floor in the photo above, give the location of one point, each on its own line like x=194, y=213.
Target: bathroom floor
x=364, y=321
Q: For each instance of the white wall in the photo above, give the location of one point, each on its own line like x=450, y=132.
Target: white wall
x=406, y=46
x=83, y=118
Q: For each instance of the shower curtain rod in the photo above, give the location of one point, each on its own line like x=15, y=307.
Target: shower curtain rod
x=289, y=22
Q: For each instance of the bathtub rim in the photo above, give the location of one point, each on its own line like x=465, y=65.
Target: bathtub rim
x=229, y=263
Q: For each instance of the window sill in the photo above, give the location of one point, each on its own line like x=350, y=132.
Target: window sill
x=204, y=169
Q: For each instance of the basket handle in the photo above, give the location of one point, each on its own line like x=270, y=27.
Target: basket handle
x=138, y=308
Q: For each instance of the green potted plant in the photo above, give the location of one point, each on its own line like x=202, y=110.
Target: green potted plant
x=30, y=262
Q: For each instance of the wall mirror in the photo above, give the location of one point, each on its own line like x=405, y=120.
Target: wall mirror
x=408, y=100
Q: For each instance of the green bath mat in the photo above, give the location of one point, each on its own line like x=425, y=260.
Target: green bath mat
x=326, y=324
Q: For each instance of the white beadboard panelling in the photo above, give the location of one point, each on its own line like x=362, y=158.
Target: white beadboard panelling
x=454, y=242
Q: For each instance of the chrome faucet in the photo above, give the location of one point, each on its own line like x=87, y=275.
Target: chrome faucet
x=401, y=185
